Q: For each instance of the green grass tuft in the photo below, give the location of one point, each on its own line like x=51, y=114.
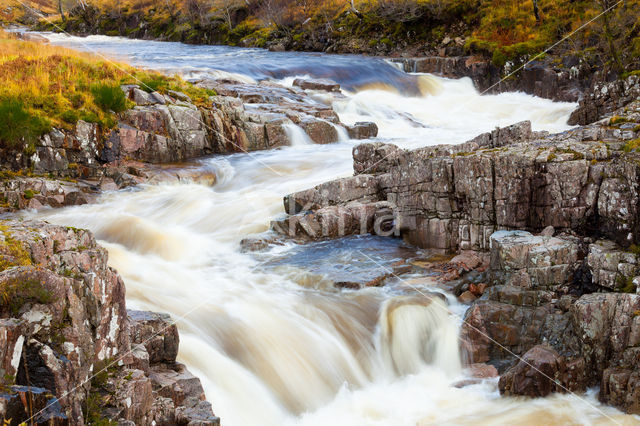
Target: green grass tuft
x=109, y=97
x=19, y=128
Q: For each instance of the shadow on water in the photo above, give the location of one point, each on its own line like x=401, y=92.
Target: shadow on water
x=352, y=259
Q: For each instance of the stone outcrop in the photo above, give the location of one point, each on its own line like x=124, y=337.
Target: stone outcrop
x=256, y=116
x=560, y=82
x=590, y=338
x=70, y=351
x=20, y=193
x=454, y=197
x=164, y=129
x=317, y=84
x=604, y=99
x=572, y=288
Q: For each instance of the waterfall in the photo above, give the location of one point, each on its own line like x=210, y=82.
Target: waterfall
x=273, y=348
x=296, y=135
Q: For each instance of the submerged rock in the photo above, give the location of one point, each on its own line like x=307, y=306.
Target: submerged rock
x=317, y=84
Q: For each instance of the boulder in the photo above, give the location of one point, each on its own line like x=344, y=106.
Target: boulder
x=320, y=131
x=157, y=333
x=538, y=373
x=363, y=130
x=317, y=84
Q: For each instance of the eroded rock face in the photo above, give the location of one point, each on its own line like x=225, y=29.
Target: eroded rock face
x=453, y=197
x=539, y=78
x=604, y=99
x=589, y=339
x=579, y=190
x=65, y=332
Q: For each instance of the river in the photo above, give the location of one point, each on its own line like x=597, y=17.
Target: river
x=272, y=341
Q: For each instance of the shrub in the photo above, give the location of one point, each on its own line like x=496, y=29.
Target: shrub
x=18, y=127
x=109, y=98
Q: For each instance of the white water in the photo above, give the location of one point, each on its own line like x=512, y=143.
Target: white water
x=296, y=135
x=278, y=346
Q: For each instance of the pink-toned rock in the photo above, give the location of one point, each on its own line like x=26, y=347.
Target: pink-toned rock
x=467, y=297
x=482, y=371
x=540, y=372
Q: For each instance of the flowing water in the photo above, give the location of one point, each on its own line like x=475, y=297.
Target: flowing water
x=273, y=342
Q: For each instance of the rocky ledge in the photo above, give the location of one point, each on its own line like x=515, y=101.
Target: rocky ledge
x=70, y=167
x=564, y=81
x=558, y=308
x=70, y=352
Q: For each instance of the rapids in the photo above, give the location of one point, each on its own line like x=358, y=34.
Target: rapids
x=270, y=338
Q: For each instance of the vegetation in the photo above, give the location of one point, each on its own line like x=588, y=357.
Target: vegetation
x=632, y=145
x=14, y=293
x=504, y=30
x=12, y=252
x=99, y=396
x=46, y=86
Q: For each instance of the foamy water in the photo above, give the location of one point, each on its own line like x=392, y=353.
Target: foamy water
x=276, y=346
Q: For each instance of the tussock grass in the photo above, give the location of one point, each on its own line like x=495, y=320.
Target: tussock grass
x=46, y=86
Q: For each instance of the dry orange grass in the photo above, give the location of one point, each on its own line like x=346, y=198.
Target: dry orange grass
x=45, y=86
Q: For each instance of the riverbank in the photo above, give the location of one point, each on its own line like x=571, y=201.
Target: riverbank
x=495, y=37
x=177, y=245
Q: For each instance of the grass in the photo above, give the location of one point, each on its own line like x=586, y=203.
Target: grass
x=46, y=86
x=98, y=396
x=625, y=285
x=12, y=252
x=15, y=293
x=109, y=97
x=18, y=126
x=632, y=145
x=616, y=119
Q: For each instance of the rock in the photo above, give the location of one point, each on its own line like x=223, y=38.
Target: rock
x=466, y=261
x=522, y=259
x=455, y=197
x=140, y=97
x=31, y=37
x=539, y=78
x=157, y=333
x=278, y=47
x=605, y=98
x=482, y=371
x=11, y=341
x=320, y=131
x=44, y=408
x=537, y=374
x=467, y=297
x=361, y=188
x=477, y=289
x=317, y=84
x=612, y=267
x=63, y=319
x=548, y=231
x=621, y=388
x=363, y=130
x=180, y=96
